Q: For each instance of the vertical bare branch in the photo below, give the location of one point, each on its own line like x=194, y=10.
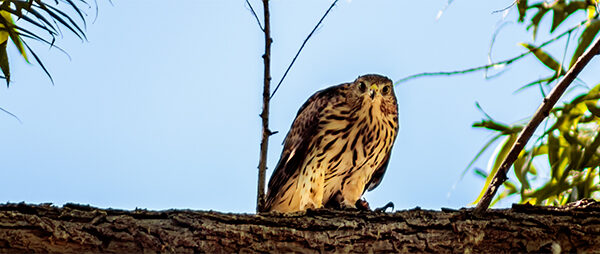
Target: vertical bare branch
x=542, y=112
x=262, y=164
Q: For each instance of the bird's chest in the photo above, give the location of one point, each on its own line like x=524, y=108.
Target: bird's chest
x=349, y=143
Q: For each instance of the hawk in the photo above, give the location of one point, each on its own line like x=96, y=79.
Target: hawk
x=339, y=145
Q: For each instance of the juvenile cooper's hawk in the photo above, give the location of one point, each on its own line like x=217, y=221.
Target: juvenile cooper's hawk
x=338, y=146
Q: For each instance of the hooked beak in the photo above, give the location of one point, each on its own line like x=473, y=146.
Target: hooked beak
x=373, y=90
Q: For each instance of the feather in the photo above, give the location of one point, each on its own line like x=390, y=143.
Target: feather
x=378, y=174
x=302, y=132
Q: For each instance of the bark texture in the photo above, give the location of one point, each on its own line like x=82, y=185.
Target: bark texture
x=79, y=229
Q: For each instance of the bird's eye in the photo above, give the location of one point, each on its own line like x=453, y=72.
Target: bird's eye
x=385, y=90
x=362, y=87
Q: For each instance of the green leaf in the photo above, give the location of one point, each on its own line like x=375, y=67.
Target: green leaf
x=544, y=57
x=509, y=189
x=535, y=21
x=521, y=167
x=585, y=40
x=575, y=153
x=558, y=170
x=559, y=16
x=573, y=141
x=3, y=31
x=13, y=33
x=504, y=149
x=47, y=20
x=4, y=61
x=481, y=173
x=493, y=125
x=591, y=106
x=485, y=147
x=522, y=6
x=594, y=92
x=590, y=151
x=562, y=11
x=537, y=82
x=553, y=149
x=575, y=6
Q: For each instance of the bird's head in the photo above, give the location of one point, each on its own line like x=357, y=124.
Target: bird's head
x=373, y=86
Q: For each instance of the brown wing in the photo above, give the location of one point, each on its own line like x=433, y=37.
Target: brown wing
x=378, y=174
x=298, y=139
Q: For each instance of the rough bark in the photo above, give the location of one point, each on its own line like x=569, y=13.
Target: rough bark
x=78, y=229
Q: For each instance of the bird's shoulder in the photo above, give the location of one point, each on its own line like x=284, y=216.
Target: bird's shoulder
x=307, y=118
x=320, y=98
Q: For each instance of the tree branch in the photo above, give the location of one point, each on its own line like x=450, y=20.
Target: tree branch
x=262, y=164
x=302, y=47
x=541, y=113
x=84, y=229
x=11, y=114
x=488, y=66
x=255, y=16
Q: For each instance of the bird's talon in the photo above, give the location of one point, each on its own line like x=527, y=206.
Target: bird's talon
x=362, y=205
x=385, y=207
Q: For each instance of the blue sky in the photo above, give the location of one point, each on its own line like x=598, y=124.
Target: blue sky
x=159, y=108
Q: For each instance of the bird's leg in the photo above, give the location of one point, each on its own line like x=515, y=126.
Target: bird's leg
x=351, y=192
x=337, y=201
x=362, y=205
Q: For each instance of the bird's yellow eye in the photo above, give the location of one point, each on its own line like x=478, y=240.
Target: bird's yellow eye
x=385, y=90
x=362, y=87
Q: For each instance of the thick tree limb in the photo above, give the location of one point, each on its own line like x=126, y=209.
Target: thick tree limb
x=542, y=112
x=79, y=229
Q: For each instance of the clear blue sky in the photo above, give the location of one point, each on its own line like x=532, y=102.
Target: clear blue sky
x=159, y=108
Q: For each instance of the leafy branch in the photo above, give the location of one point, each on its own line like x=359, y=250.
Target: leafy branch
x=570, y=144
x=503, y=63
x=48, y=16
x=542, y=112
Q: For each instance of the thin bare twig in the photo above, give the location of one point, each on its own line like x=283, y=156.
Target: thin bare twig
x=486, y=67
x=301, y=47
x=562, y=62
x=262, y=164
x=11, y=114
x=507, y=7
x=490, y=60
x=441, y=12
x=542, y=112
x=255, y=16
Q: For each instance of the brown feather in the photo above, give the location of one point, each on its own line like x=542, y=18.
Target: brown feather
x=297, y=140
